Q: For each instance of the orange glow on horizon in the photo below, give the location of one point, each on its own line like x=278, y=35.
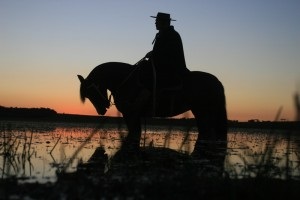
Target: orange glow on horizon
x=239, y=112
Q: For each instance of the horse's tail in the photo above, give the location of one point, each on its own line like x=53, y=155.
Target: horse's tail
x=222, y=122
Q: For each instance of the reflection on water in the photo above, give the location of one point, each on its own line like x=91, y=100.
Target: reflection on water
x=253, y=153
x=35, y=151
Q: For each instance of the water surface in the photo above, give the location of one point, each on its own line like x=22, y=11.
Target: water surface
x=35, y=151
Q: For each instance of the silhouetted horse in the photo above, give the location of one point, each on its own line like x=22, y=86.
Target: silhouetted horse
x=200, y=92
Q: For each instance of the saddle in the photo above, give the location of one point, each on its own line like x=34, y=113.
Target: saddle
x=170, y=85
x=167, y=89
x=163, y=83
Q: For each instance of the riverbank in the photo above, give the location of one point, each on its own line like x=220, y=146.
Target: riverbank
x=50, y=115
x=190, y=122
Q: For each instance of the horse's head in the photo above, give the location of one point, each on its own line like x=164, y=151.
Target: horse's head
x=96, y=94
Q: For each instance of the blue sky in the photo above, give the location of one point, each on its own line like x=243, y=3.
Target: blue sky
x=253, y=47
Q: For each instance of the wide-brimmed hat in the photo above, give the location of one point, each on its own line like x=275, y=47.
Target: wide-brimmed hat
x=163, y=16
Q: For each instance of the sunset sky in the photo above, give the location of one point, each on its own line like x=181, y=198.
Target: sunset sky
x=252, y=46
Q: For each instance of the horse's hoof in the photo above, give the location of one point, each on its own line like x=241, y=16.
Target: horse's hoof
x=126, y=154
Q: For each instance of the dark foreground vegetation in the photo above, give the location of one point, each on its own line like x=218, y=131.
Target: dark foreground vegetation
x=153, y=173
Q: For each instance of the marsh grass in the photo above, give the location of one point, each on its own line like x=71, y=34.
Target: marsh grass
x=269, y=164
x=63, y=168
x=16, y=152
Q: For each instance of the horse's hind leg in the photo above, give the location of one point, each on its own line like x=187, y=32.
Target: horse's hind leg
x=211, y=145
x=207, y=134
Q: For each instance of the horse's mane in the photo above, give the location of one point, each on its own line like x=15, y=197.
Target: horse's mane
x=103, y=70
x=103, y=73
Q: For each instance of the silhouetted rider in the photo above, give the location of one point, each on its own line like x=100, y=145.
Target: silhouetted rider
x=167, y=54
x=167, y=59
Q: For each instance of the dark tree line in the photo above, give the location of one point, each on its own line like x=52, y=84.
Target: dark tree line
x=26, y=112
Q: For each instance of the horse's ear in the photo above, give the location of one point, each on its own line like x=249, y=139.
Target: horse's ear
x=80, y=78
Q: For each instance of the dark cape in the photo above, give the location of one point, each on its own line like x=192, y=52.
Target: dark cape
x=167, y=54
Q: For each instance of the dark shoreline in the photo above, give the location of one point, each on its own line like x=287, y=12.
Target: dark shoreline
x=72, y=118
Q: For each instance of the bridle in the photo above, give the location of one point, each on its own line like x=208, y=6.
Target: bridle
x=94, y=86
x=123, y=82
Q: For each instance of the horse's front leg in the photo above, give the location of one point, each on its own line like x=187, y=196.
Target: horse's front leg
x=132, y=141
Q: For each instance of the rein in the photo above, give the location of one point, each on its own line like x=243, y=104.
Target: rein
x=136, y=66
x=126, y=79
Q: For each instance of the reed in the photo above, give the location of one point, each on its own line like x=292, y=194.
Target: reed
x=16, y=151
x=75, y=154
x=266, y=165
